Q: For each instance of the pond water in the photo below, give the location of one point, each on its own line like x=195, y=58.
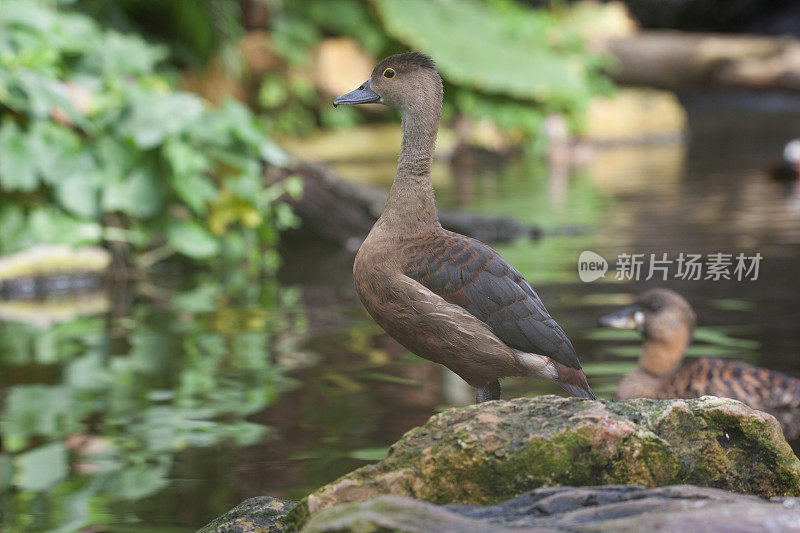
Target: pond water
x=160, y=405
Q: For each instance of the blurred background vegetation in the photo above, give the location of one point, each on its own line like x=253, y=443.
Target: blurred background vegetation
x=105, y=143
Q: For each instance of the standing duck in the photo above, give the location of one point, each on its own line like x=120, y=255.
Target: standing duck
x=446, y=297
x=666, y=321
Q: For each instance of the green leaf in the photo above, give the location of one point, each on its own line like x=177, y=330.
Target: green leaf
x=58, y=152
x=714, y=336
x=494, y=47
x=610, y=334
x=201, y=299
x=43, y=94
x=116, y=55
x=154, y=116
x=115, y=157
x=140, y=194
x=17, y=164
x=606, y=368
x=189, y=167
x=48, y=225
x=272, y=153
x=42, y=467
x=79, y=194
x=369, y=454
x=14, y=233
x=293, y=186
x=627, y=350
x=6, y=470
x=731, y=304
x=195, y=190
x=37, y=411
x=191, y=239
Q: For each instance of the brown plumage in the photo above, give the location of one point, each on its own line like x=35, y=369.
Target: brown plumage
x=667, y=321
x=446, y=297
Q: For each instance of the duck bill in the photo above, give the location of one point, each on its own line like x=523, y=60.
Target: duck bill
x=362, y=95
x=630, y=317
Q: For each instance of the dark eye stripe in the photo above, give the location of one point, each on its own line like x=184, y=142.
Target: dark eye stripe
x=388, y=73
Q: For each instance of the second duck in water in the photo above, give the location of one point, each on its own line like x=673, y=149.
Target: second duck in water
x=666, y=321
x=446, y=297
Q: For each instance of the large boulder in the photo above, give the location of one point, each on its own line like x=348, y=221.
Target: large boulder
x=568, y=509
x=463, y=462
x=485, y=454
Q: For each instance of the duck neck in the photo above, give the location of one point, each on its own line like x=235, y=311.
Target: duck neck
x=410, y=207
x=660, y=357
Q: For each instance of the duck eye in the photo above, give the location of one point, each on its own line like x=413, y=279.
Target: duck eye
x=388, y=73
x=654, y=306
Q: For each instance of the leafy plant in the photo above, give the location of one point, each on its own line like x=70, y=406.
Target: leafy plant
x=96, y=147
x=501, y=60
x=194, y=30
x=510, y=63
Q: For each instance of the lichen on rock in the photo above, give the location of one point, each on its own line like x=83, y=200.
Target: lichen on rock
x=262, y=514
x=488, y=453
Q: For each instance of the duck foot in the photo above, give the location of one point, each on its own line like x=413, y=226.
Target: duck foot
x=490, y=391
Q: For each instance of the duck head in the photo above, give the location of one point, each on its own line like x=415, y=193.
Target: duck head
x=406, y=81
x=665, y=320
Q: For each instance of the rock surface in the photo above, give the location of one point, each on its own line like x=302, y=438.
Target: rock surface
x=262, y=514
x=529, y=452
x=485, y=454
x=610, y=508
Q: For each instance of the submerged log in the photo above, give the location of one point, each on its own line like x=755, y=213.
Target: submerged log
x=333, y=210
x=675, y=60
x=49, y=268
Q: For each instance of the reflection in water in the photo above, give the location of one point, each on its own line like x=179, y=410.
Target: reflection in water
x=184, y=400
x=96, y=410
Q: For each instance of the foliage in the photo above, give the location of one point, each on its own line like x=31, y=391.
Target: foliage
x=194, y=30
x=97, y=147
x=514, y=52
x=502, y=61
x=509, y=63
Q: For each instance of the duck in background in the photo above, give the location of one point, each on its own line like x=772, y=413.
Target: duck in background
x=787, y=169
x=666, y=321
x=446, y=297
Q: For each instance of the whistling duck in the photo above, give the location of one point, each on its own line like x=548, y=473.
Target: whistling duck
x=666, y=321
x=446, y=297
x=787, y=170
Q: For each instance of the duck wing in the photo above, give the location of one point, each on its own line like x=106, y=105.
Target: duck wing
x=759, y=388
x=467, y=273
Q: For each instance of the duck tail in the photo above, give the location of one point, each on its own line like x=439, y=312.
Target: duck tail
x=573, y=380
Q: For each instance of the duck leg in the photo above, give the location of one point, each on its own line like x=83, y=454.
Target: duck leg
x=490, y=391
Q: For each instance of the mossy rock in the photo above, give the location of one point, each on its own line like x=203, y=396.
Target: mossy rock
x=262, y=514
x=488, y=453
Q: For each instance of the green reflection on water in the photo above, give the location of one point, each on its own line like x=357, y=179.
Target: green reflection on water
x=95, y=410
